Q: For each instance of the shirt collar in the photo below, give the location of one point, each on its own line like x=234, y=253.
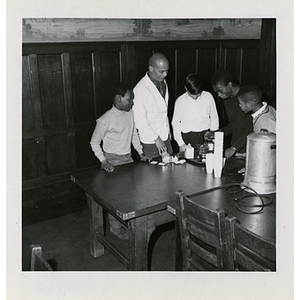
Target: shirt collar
x=118, y=111
x=189, y=97
x=257, y=113
x=156, y=82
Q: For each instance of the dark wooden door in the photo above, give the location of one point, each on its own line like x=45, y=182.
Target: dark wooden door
x=64, y=89
x=241, y=59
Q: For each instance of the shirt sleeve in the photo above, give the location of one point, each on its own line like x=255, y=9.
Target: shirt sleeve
x=265, y=123
x=176, y=124
x=136, y=141
x=140, y=117
x=96, y=139
x=214, y=118
x=242, y=140
x=227, y=129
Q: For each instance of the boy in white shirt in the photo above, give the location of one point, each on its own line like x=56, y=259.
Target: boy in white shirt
x=117, y=131
x=194, y=113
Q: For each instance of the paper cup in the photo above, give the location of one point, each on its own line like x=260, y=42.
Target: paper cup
x=218, y=167
x=209, y=162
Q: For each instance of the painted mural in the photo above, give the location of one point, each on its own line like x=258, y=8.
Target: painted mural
x=74, y=30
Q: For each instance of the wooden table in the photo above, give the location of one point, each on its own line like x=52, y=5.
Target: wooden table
x=137, y=194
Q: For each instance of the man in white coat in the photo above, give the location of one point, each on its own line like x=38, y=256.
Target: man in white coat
x=151, y=108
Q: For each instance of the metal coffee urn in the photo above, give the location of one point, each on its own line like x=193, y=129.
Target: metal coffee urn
x=260, y=174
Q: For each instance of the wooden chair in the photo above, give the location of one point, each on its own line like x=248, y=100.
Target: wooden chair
x=202, y=235
x=247, y=251
x=37, y=262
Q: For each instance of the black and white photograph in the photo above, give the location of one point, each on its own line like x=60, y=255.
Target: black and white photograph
x=152, y=150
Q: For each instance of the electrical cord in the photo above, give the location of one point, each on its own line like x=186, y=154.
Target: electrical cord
x=240, y=201
x=260, y=196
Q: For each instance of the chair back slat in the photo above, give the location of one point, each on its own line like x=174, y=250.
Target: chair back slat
x=202, y=233
x=205, y=216
x=196, y=263
x=209, y=257
x=249, y=263
x=247, y=251
x=254, y=243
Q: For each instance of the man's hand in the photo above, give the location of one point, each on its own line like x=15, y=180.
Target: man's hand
x=160, y=145
x=229, y=152
x=107, y=166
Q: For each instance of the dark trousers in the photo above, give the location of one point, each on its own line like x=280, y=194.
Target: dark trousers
x=151, y=151
x=194, y=138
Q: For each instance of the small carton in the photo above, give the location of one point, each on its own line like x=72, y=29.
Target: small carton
x=189, y=152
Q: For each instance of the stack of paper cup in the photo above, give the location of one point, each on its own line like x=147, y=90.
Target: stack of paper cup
x=209, y=162
x=218, y=154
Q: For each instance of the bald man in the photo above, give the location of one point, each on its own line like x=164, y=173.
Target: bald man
x=151, y=108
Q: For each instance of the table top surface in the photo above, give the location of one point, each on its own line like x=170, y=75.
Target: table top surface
x=140, y=188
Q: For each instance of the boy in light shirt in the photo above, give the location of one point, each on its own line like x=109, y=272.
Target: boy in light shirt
x=264, y=115
x=116, y=130
x=194, y=113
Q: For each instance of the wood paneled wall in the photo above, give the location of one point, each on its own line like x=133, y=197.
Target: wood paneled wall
x=267, y=62
x=66, y=86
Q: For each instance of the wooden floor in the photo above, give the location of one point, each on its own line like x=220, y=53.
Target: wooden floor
x=65, y=245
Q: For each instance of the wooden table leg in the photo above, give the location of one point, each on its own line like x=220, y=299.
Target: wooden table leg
x=96, y=226
x=150, y=231
x=138, y=244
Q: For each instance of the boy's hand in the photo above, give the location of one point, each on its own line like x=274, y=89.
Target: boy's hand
x=107, y=166
x=229, y=152
x=209, y=135
x=143, y=157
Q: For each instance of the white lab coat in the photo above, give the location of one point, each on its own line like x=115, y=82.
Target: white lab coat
x=150, y=111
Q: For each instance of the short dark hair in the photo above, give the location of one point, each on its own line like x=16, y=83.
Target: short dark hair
x=194, y=84
x=120, y=88
x=250, y=93
x=221, y=77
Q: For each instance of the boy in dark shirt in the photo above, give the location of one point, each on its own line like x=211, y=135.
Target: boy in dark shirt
x=240, y=124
